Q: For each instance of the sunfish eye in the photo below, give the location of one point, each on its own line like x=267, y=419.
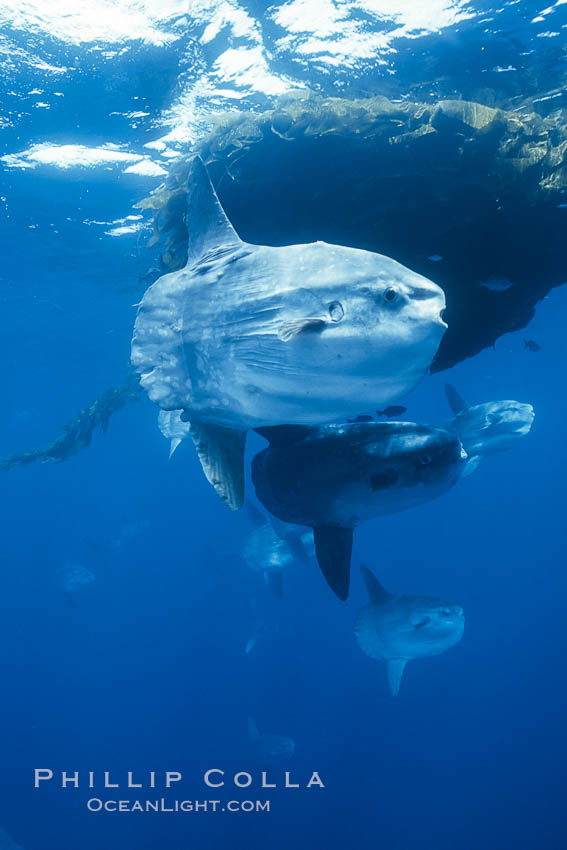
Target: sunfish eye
x=425, y=460
x=390, y=295
x=336, y=311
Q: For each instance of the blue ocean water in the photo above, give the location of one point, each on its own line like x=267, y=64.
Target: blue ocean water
x=142, y=666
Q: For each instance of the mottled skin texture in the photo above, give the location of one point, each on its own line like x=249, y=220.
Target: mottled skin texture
x=342, y=475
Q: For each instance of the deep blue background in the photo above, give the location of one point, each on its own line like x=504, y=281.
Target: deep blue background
x=148, y=671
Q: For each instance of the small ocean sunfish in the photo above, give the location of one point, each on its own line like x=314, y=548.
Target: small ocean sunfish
x=485, y=429
x=397, y=629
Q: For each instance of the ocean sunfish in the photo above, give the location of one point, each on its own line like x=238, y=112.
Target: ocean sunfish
x=489, y=428
x=270, y=550
x=335, y=477
x=250, y=335
x=397, y=629
x=270, y=749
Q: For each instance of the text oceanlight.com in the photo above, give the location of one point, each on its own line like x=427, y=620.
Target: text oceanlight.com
x=215, y=778
x=95, y=804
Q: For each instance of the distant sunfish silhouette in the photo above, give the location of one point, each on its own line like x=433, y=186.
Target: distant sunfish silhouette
x=250, y=335
x=271, y=550
x=396, y=629
x=489, y=428
x=335, y=477
x=270, y=749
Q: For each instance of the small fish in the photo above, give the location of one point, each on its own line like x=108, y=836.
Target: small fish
x=532, y=345
x=435, y=258
x=392, y=410
x=496, y=284
x=362, y=418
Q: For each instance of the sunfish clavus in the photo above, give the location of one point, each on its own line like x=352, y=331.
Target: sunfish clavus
x=396, y=629
x=249, y=335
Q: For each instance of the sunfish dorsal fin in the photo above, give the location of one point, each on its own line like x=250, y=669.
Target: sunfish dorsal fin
x=283, y=435
x=221, y=452
x=455, y=399
x=377, y=594
x=207, y=224
x=333, y=546
x=396, y=667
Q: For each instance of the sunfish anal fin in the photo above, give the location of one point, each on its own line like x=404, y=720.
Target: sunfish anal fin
x=333, y=546
x=174, y=443
x=396, y=667
x=207, y=224
x=377, y=594
x=455, y=399
x=221, y=452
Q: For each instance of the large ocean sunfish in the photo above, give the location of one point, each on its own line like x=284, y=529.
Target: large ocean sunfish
x=396, y=629
x=335, y=477
x=248, y=335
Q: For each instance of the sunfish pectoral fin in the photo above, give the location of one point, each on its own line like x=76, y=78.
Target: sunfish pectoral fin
x=207, y=224
x=296, y=326
x=173, y=444
x=274, y=581
x=221, y=452
x=470, y=466
x=456, y=401
x=333, y=546
x=377, y=594
x=396, y=667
